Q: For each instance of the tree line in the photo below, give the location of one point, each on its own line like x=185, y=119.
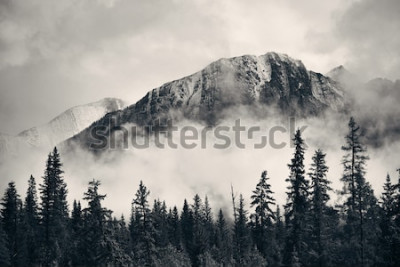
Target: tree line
x=363, y=231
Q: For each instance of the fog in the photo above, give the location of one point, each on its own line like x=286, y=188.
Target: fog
x=175, y=174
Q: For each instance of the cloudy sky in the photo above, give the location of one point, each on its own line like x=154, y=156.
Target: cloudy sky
x=58, y=54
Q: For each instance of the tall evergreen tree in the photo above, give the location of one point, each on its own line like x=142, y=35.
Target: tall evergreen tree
x=262, y=219
x=12, y=224
x=100, y=245
x=54, y=212
x=387, y=224
x=174, y=228
x=319, y=208
x=297, y=206
x=241, y=235
x=388, y=199
x=200, y=237
x=160, y=223
x=145, y=245
x=96, y=218
x=76, y=233
x=133, y=229
x=353, y=162
x=31, y=223
x=223, y=241
x=187, y=227
x=396, y=218
x=361, y=203
x=208, y=223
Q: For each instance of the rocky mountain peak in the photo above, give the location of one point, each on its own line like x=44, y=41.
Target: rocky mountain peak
x=270, y=80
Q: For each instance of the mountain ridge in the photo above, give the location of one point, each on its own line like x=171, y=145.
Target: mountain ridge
x=269, y=80
x=60, y=128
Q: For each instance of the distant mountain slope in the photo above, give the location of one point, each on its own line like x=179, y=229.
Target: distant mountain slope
x=270, y=80
x=338, y=73
x=62, y=127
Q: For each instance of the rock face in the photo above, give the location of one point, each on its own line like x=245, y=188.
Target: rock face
x=270, y=80
x=62, y=127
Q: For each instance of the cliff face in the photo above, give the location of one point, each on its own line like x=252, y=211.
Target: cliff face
x=270, y=80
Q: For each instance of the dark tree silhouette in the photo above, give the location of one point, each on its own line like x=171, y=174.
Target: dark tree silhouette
x=31, y=222
x=144, y=249
x=11, y=221
x=53, y=212
x=263, y=217
x=318, y=207
x=297, y=206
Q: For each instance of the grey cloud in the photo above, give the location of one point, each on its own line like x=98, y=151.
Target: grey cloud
x=54, y=55
x=370, y=31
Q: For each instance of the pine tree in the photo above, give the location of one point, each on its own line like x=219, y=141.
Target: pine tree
x=76, y=228
x=241, y=235
x=353, y=162
x=76, y=217
x=396, y=216
x=187, y=227
x=134, y=229
x=96, y=218
x=160, y=224
x=297, y=205
x=319, y=209
x=208, y=223
x=262, y=219
x=200, y=237
x=100, y=245
x=54, y=213
x=174, y=228
x=12, y=224
x=361, y=205
x=145, y=245
x=31, y=224
x=48, y=192
x=223, y=241
x=387, y=224
x=388, y=198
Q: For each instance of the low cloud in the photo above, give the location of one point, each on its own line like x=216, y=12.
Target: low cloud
x=175, y=174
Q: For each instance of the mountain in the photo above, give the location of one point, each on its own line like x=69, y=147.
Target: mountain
x=257, y=82
x=62, y=127
x=345, y=78
x=338, y=73
x=384, y=87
